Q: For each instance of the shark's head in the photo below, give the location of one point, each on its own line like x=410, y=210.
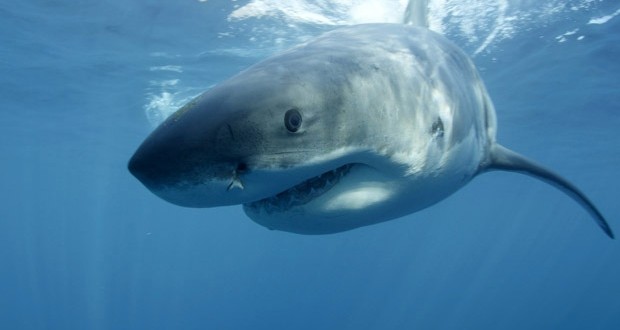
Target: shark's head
x=272, y=139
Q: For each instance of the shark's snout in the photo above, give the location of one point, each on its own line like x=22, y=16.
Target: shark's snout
x=149, y=169
x=184, y=150
x=157, y=165
x=185, y=177
x=197, y=163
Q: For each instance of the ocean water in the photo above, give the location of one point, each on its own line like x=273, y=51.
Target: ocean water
x=83, y=245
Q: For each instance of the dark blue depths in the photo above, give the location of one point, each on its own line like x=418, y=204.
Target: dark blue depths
x=84, y=246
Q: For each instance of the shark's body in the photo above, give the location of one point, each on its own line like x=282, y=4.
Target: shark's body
x=361, y=125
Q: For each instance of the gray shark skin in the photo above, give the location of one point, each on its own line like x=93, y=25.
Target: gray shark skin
x=361, y=125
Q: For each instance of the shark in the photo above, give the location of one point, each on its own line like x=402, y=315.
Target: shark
x=360, y=125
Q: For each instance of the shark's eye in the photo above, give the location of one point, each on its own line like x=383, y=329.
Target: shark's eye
x=292, y=120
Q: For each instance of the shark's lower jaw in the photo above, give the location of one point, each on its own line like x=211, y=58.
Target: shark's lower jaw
x=301, y=193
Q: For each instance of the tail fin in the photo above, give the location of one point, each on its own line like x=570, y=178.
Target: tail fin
x=504, y=159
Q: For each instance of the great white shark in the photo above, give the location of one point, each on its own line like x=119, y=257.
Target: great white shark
x=360, y=125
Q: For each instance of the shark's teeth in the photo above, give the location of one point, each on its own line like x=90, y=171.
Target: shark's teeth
x=301, y=193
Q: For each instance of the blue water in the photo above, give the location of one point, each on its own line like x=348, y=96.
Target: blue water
x=84, y=246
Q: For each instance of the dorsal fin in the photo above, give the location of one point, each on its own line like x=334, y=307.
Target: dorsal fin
x=416, y=13
x=503, y=159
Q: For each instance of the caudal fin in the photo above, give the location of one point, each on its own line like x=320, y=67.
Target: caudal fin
x=503, y=159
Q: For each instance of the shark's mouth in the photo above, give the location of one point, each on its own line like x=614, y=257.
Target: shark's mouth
x=301, y=193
